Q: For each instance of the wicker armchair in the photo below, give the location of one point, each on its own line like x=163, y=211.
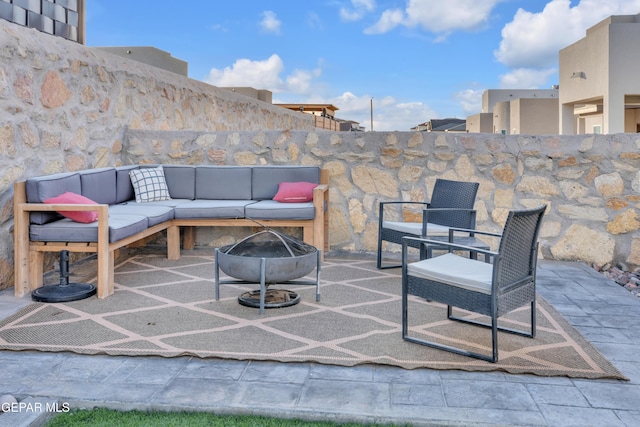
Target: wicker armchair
x=451, y=206
x=489, y=289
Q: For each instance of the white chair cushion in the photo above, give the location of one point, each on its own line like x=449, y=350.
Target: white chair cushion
x=456, y=271
x=416, y=228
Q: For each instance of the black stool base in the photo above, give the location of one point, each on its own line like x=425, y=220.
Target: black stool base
x=63, y=293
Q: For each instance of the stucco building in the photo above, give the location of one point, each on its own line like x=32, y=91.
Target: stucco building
x=517, y=111
x=599, y=90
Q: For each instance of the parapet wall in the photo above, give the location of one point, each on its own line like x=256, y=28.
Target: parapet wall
x=591, y=184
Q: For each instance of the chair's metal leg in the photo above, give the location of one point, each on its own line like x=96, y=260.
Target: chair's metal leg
x=379, y=261
x=380, y=217
x=488, y=325
x=456, y=350
x=405, y=293
x=533, y=318
x=494, y=337
x=217, y=277
x=450, y=349
x=379, y=258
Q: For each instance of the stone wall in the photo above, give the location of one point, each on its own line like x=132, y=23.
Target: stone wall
x=591, y=184
x=64, y=107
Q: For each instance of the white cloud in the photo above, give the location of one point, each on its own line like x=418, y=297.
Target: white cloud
x=388, y=113
x=526, y=78
x=470, y=100
x=245, y=72
x=533, y=40
x=387, y=22
x=270, y=22
x=358, y=9
x=219, y=27
x=368, y=5
x=436, y=16
x=299, y=81
x=266, y=74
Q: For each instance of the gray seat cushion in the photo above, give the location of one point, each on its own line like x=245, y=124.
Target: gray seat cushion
x=99, y=185
x=65, y=230
x=181, y=181
x=455, y=270
x=45, y=187
x=155, y=214
x=124, y=189
x=211, y=209
x=223, y=183
x=415, y=228
x=270, y=209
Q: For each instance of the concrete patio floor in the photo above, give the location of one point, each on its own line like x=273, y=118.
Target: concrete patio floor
x=605, y=313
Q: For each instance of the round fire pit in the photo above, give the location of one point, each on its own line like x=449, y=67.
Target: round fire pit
x=268, y=258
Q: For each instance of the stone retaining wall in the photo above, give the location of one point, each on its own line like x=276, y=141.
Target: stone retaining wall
x=66, y=107
x=591, y=184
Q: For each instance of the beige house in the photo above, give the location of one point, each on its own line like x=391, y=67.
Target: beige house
x=599, y=92
x=517, y=111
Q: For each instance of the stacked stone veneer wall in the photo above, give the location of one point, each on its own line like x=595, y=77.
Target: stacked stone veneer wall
x=591, y=184
x=66, y=107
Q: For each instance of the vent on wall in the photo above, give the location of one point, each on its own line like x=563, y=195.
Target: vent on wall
x=57, y=17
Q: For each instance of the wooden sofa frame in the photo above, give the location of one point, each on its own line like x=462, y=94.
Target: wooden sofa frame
x=29, y=255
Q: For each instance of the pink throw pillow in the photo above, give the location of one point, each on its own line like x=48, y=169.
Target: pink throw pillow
x=75, y=199
x=295, y=192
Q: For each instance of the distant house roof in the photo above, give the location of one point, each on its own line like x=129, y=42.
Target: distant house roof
x=328, y=109
x=443, y=125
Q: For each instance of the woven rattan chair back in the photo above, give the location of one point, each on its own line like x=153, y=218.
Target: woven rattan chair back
x=453, y=194
x=517, y=251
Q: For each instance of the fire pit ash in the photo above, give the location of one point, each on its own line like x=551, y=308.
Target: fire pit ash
x=268, y=258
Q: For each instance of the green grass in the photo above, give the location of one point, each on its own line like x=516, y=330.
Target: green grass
x=111, y=418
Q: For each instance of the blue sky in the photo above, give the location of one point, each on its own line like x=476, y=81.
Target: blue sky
x=413, y=60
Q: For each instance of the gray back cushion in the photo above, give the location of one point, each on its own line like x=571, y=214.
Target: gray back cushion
x=44, y=187
x=181, y=181
x=223, y=183
x=124, y=189
x=99, y=185
x=266, y=178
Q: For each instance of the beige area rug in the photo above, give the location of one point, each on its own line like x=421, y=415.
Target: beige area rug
x=167, y=308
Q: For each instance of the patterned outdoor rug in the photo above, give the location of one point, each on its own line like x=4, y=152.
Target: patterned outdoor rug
x=167, y=308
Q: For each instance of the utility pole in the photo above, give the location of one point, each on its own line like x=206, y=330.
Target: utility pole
x=371, y=108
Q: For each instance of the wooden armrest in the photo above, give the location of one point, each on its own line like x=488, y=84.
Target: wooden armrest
x=322, y=188
x=44, y=207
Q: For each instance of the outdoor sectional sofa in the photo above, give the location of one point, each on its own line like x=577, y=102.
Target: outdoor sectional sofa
x=221, y=196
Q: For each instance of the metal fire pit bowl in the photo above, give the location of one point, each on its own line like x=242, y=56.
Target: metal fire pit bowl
x=268, y=258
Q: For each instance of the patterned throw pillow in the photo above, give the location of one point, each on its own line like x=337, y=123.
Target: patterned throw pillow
x=149, y=184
